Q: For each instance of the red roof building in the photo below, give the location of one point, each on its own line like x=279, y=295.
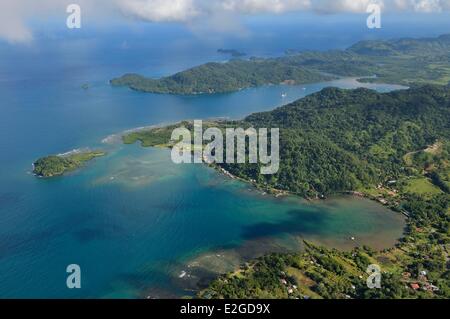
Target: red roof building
x=415, y=286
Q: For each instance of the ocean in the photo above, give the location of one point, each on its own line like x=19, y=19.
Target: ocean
x=137, y=224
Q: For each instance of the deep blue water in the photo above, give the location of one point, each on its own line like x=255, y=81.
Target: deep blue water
x=132, y=220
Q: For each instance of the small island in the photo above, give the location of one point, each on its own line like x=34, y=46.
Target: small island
x=57, y=165
x=234, y=53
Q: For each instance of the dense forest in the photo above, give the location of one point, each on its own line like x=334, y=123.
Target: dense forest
x=393, y=61
x=339, y=140
x=393, y=148
x=223, y=77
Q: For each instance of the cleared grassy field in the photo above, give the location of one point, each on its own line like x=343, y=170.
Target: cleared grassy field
x=443, y=71
x=422, y=186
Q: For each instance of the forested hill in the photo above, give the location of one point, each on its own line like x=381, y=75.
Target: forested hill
x=224, y=77
x=402, y=61
x=418, y=47
x=393, y=148
x=339, y=140
x=361, y=107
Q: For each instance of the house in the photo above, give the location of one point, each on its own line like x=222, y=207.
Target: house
x=434, y=288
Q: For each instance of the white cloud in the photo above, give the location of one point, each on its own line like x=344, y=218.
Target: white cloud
x=161, y=10
x=353, y=6
x=427, y=6
x=422, y=5
x=14, y=14
x=258, y=6
x=182, y=10
x=12, y=27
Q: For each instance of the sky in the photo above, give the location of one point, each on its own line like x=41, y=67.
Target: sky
x=19, y=18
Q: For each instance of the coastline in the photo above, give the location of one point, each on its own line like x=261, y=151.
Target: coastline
x=389, y=202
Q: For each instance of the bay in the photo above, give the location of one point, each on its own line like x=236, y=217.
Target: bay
x=137, y=224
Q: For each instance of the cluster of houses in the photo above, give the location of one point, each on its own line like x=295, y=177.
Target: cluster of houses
x=291, y=289
x=385, y=188
x=389, y=191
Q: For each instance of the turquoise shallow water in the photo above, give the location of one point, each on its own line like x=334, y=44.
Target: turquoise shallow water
x=133, y=220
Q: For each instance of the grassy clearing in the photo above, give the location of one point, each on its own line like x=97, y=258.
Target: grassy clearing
x=422, y=186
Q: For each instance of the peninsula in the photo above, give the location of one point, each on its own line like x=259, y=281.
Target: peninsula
x=393, y=61
x=393, y=148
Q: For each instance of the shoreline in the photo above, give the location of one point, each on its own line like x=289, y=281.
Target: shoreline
x=277, y=193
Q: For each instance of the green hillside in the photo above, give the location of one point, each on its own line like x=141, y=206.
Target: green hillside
x=393, y=61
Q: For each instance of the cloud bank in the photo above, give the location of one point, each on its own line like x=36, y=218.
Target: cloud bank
x=183, y=10
x=15, y=15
